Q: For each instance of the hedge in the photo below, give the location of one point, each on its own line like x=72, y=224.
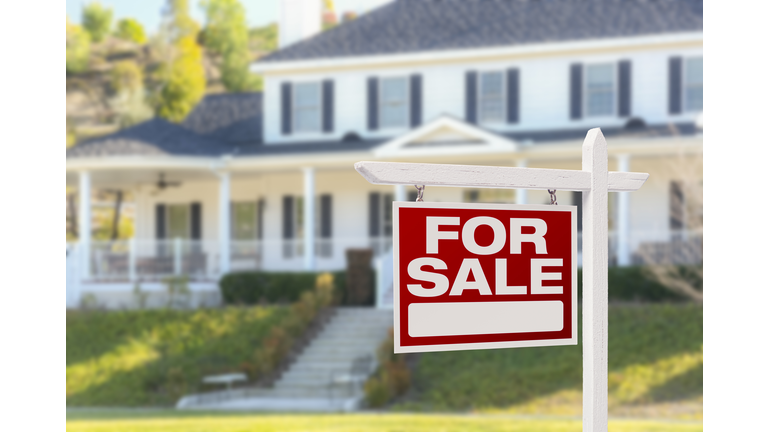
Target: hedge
x=256, y=287
x=625, y=284
x=634, y=284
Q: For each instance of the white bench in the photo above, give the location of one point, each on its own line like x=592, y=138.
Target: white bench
x=359, y=371
x=227, y=379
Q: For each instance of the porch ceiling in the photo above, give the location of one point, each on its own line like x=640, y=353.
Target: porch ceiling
x=132, y=177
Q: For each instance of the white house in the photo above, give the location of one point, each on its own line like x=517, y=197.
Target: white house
x=266, y=180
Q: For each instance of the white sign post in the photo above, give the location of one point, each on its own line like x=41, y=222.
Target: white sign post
x=594, y=181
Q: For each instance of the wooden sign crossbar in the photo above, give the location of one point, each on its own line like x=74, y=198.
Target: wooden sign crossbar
x=595, y=182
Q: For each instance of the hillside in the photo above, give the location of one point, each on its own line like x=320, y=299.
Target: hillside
x=655, y=364
x=91, y=104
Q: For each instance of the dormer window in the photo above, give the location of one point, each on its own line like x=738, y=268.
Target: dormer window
x=694, y=84
x=600, y=90
x=491, y=97
x=307, y=107
x=394, y=102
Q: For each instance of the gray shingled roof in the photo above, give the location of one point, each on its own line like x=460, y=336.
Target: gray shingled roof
x=228, y=117
x=153, y=137
x=407, y=26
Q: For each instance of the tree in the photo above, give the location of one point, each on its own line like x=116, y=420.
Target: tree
x=226, y=34
x=131, y=30
x=78, y=48
x=182, y=74
x=677, y=264
x=97, y=20
x=129, y=102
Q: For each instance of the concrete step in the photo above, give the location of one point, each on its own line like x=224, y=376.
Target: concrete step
x=352, y=332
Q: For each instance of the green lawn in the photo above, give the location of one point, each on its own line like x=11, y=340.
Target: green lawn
x=153, y=357
x=655, y=362
x=170, y=421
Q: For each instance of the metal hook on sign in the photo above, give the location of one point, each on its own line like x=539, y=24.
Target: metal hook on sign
x=552, y=196
x=420, y=197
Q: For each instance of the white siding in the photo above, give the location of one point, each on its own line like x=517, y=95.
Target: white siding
x=544, y=93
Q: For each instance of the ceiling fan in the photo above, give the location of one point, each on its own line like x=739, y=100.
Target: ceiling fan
x=162, y=184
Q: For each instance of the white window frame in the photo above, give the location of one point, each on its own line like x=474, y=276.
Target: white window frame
x=406, y=103
x=685, y=84
x=503, y=97
x=614, y=90
x=295, y=107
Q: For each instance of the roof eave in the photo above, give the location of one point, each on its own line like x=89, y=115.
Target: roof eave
x=633, y=42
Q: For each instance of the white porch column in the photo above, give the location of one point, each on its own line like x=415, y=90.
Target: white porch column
x=400, y=194
x=521, y=195
x=224, y=222
x=309, y=219
x=84, y=222
x=622, y=219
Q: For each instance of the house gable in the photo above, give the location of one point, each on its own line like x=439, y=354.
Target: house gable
x=446, y=135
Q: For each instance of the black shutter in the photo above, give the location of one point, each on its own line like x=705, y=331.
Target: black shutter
x=285, y=107
x=287, y=217
x=675, y=85
x=415, y=100
x=328, y=106
x=513, y=95
x=260, y=219
x=374, y=214
x=160, y=221
x=576, y=85
x=676, y=206
x=373, y=103
x=470, y=114
x=196, y=219
x=325, y=216
x=625, y=88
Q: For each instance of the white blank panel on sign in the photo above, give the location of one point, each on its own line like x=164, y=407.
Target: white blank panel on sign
x=473, y=318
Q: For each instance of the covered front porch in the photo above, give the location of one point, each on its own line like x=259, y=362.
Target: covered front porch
x=203, y=217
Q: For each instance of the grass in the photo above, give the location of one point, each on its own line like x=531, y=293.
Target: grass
x=152, y=357
x=173, y=421
x=655, y=364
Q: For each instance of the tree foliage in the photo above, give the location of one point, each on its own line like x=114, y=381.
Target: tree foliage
x=78, y=48
x=129, y=102
x=126, y=75
x=97, y=20
x=131, y=30
x=226, y=33
x=263, y=39
x=182, y=74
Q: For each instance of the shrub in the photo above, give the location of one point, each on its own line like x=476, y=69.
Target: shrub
x=392, y=379
x=281, y=338
x=277, y=287
x=635, y=284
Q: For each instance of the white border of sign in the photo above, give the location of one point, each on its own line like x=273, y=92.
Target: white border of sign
x=573, y=340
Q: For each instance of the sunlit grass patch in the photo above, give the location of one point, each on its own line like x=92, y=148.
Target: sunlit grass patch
x=152, y=357
x=218, y=422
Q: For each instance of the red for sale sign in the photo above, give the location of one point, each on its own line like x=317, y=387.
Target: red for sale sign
x=477, y=276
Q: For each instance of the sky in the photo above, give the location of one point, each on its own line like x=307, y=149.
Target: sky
x=259, y=12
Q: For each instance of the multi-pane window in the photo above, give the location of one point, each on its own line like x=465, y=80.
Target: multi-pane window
x=244, y=221
x=694, y=84
x=491, y=97
x=178, y=221
x=306, y=107
x=600, y=89
x=394, y=102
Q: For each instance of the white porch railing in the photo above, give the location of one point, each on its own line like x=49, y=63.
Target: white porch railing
x=153, y=260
